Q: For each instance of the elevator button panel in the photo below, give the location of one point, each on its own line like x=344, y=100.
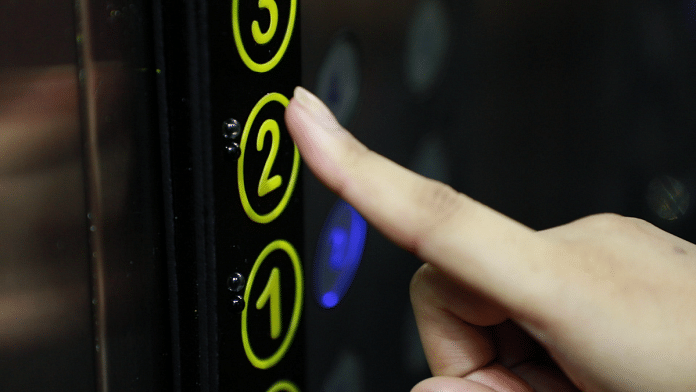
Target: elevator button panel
x=254, y=67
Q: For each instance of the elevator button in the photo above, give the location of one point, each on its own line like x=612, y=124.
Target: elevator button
x=338, y=254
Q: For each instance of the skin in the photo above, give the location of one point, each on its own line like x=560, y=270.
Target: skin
x=605, y=303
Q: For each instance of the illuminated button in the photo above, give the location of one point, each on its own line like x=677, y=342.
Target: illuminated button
x=338, y=82
x=427, y=45
x=338, y=254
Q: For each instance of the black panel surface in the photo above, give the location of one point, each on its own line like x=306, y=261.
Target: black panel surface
x=254, y=95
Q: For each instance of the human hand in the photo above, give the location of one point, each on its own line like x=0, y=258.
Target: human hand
x=610, y=299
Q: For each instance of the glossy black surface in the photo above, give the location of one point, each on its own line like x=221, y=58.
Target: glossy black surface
x=235, y=90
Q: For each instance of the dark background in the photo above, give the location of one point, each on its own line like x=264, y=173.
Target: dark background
x=546, y=111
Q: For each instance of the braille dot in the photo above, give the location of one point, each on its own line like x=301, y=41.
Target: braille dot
x=237, y=304
x=236, y=282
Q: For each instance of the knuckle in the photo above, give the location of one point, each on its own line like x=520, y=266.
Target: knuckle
x=440, y=201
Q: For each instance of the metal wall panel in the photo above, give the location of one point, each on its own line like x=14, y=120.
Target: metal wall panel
x=84, y=295
x=45, y=287
x=121, y=149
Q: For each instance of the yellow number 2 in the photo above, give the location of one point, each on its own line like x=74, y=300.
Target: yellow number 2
x=264, y=38
x=272, y=293
x=267, y=185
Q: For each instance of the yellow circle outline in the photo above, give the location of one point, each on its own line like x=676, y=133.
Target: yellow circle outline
x=265, y=67
x=284, y=385
x=266, y=363
x=253, y=215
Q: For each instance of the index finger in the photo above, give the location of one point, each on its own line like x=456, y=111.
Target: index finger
x=466, y=239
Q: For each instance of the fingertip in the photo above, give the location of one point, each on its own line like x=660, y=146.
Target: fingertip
x=306, y=133
x=316, y=109
x=450, y=384
x=294, y=119
x=314, y=137
x=309, y=121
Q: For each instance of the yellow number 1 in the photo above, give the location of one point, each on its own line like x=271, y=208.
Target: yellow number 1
x=264, y=38
x=272, y=293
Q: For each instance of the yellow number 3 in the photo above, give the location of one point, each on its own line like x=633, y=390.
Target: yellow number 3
x=264, y=38
x=261, y=37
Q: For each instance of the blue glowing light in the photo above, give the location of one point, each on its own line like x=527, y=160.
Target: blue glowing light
x=338, y=254
x=338, y=248
x=329, y=300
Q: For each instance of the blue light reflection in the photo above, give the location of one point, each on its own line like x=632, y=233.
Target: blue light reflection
x=338, y=254
x=329, y=300
x=338, y=248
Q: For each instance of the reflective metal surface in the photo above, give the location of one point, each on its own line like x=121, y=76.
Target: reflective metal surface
x=45, y=286
x=83, y=303
x=123, y=187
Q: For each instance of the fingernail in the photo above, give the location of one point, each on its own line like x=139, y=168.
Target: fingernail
x=315, y=107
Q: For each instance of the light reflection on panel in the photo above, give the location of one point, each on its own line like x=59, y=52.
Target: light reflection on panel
x=338, y=255
x=669, y=198
x=427, y=43
x=339, y=78
x=45, y=310
x=430, y=158
x=346, y=375
x=49, y=103
x=124, y=195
